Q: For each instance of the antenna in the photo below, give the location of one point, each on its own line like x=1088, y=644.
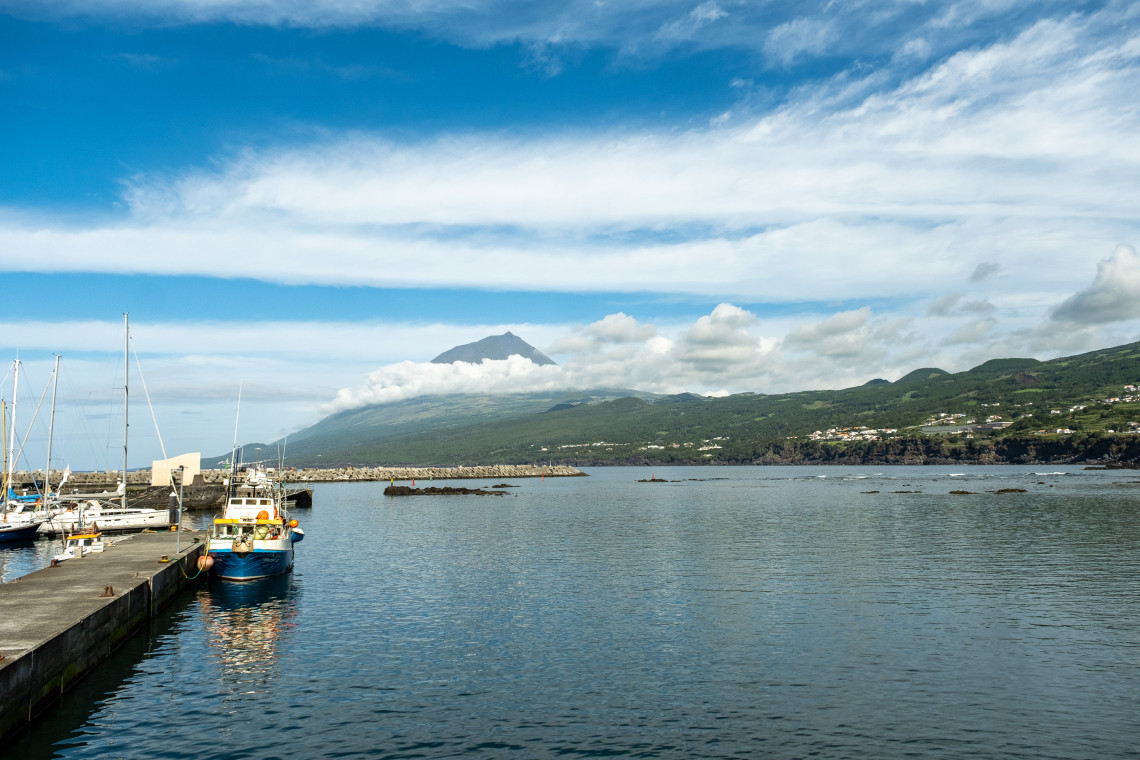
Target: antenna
x=233, y=452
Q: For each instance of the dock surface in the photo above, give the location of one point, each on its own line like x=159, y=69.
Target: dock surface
x=58, y=623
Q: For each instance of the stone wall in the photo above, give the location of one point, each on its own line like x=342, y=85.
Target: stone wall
x=95, y=482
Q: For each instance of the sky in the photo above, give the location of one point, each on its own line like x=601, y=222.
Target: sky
x=299, y=204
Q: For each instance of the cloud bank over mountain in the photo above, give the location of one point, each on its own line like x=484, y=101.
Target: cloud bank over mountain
x=731, y=350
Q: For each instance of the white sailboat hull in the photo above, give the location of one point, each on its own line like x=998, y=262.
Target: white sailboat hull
x=107, y=518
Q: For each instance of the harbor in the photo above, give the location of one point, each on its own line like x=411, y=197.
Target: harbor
x=738, y=612
x=58, y=623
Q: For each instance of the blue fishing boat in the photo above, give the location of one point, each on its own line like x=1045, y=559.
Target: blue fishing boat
x=254, y=537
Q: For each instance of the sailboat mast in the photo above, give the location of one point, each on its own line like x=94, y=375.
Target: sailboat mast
x=12, y=431
x=51, y=426
x=126, y=400
x=3, y=435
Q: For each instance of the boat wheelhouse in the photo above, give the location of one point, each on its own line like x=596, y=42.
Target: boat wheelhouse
x=80, y=544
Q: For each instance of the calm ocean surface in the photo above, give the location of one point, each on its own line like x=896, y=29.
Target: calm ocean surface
x=776, y=612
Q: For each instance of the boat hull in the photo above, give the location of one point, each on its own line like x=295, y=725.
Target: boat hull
x=107, y=520
x=247, y=566
x=19, y=532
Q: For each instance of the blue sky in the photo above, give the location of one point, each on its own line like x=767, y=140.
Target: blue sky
x=314, y=199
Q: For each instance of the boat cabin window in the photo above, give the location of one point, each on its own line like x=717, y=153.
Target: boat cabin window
x=230, y=530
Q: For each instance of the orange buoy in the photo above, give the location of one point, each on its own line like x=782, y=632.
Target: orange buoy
x=263, y=515
x=205, y=563
x=293, y=523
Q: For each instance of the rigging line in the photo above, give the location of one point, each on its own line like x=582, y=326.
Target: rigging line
x=31, y=423
x=81, y=430
x=161, y=446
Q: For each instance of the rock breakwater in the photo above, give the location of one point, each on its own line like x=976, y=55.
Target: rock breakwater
x=207, y=491
x=435, y=491
x=96, y=482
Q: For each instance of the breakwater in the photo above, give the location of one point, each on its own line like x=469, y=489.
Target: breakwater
x=503, y=471
x=207, y=490
x=97, y=482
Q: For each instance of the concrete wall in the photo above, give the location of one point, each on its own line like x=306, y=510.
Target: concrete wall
x=35, y=681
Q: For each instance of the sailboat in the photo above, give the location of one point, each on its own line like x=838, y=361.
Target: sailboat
x=96, y=510
x=18, y=524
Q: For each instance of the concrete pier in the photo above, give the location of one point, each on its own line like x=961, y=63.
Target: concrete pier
x=58, y=623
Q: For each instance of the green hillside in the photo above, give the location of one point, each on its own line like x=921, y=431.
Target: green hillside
x=337, y=436
x=752, y=427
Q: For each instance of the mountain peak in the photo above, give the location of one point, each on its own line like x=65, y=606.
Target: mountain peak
x=493, y=347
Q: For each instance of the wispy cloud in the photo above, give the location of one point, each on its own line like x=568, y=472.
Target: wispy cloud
x=785, y=31
x=801, y=37
x=1018, y=156
x=293, y=66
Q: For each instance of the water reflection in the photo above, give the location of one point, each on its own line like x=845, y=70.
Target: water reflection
x=247, y=626
x=18, y=558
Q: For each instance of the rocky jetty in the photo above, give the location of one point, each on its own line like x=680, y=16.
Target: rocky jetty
x=207, y=490
x=435, y=491
x=496, y=472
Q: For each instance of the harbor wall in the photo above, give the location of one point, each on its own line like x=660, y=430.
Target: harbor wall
x=208, y=492
x=63, y=629
x=85, y=482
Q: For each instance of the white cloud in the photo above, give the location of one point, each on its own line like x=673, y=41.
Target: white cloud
x=842, y=336
x=953, y=304
x=1017, y=156
x=615, y=352
x=293, y=373
x=192, y=371
x=785, y=30
x=684, y=28
x=984, y=271
x=721, y=343
x=1114, y=294
x=726, y=351
x=620, y=328
x=1016, y=159
x=974, y=331
x=404, y=380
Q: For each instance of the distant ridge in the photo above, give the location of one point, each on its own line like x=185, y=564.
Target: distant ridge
x=493, y=347
x=1082, y=408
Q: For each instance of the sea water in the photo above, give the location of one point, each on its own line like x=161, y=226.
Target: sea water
x=759, y=612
